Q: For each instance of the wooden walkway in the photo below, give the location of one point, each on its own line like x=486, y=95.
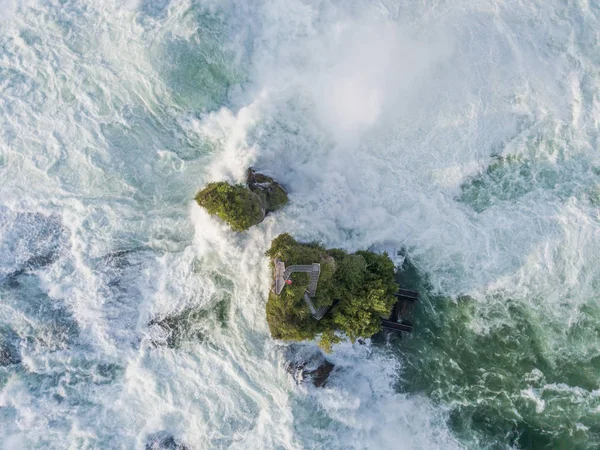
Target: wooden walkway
x=282, y=274
x=299, y=268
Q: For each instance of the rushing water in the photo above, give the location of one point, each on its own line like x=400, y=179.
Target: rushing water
x=465, y=133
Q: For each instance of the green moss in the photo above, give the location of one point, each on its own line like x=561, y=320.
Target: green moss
x=243, y=206
x=362, y=284
x=235, y=204
x=275, y=196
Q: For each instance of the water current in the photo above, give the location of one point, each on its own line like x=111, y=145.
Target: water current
x=460, y=136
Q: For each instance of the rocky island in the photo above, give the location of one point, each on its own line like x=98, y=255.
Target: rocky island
x=243, y=206
x=357, y=289
x=324, y=294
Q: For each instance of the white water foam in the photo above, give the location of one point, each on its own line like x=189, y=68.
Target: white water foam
x=371, y=113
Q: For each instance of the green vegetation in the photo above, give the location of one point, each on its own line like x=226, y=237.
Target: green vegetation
x=243, y=206
x=235, y=204
x=274, y=195
x=276, y=198
x=513, y=374
x=362, y=284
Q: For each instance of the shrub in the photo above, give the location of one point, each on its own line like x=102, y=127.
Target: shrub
x=235, y=204
x=243, y=206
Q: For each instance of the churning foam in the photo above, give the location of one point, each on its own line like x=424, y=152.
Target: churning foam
x=372, y=114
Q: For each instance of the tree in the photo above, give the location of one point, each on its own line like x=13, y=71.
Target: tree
x=361, y=284
x=243, y=206
x=235, y=204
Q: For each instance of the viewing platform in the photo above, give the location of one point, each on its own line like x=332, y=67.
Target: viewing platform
x=282, y=275
x=401, y=316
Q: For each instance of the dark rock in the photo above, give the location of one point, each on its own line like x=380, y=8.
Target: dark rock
x=191, y=324
x=5, y=357
x=321, y=374
x=117, y=259
x=178, y=328
x=273, y=193
x=308, y=363
x=164, y=441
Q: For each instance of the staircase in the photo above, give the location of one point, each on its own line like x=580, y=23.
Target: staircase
x=282, y=274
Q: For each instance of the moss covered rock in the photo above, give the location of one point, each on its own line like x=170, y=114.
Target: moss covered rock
x=235, y=204
x=274, y=194
x=243, y=206
x=361, y=285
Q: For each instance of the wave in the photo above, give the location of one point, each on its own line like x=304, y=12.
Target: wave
x=381, y=119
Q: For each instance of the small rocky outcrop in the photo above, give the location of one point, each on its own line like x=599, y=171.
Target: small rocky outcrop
x=243, y=206
x=191, y=324
x=273, y=193
x=308, y=364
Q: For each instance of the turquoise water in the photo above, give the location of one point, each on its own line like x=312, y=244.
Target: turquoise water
x=461, y=135
x=526, y=381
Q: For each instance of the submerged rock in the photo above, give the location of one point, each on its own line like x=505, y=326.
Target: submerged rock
x=308, y=363
x=9, y=353
x=190, y=324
